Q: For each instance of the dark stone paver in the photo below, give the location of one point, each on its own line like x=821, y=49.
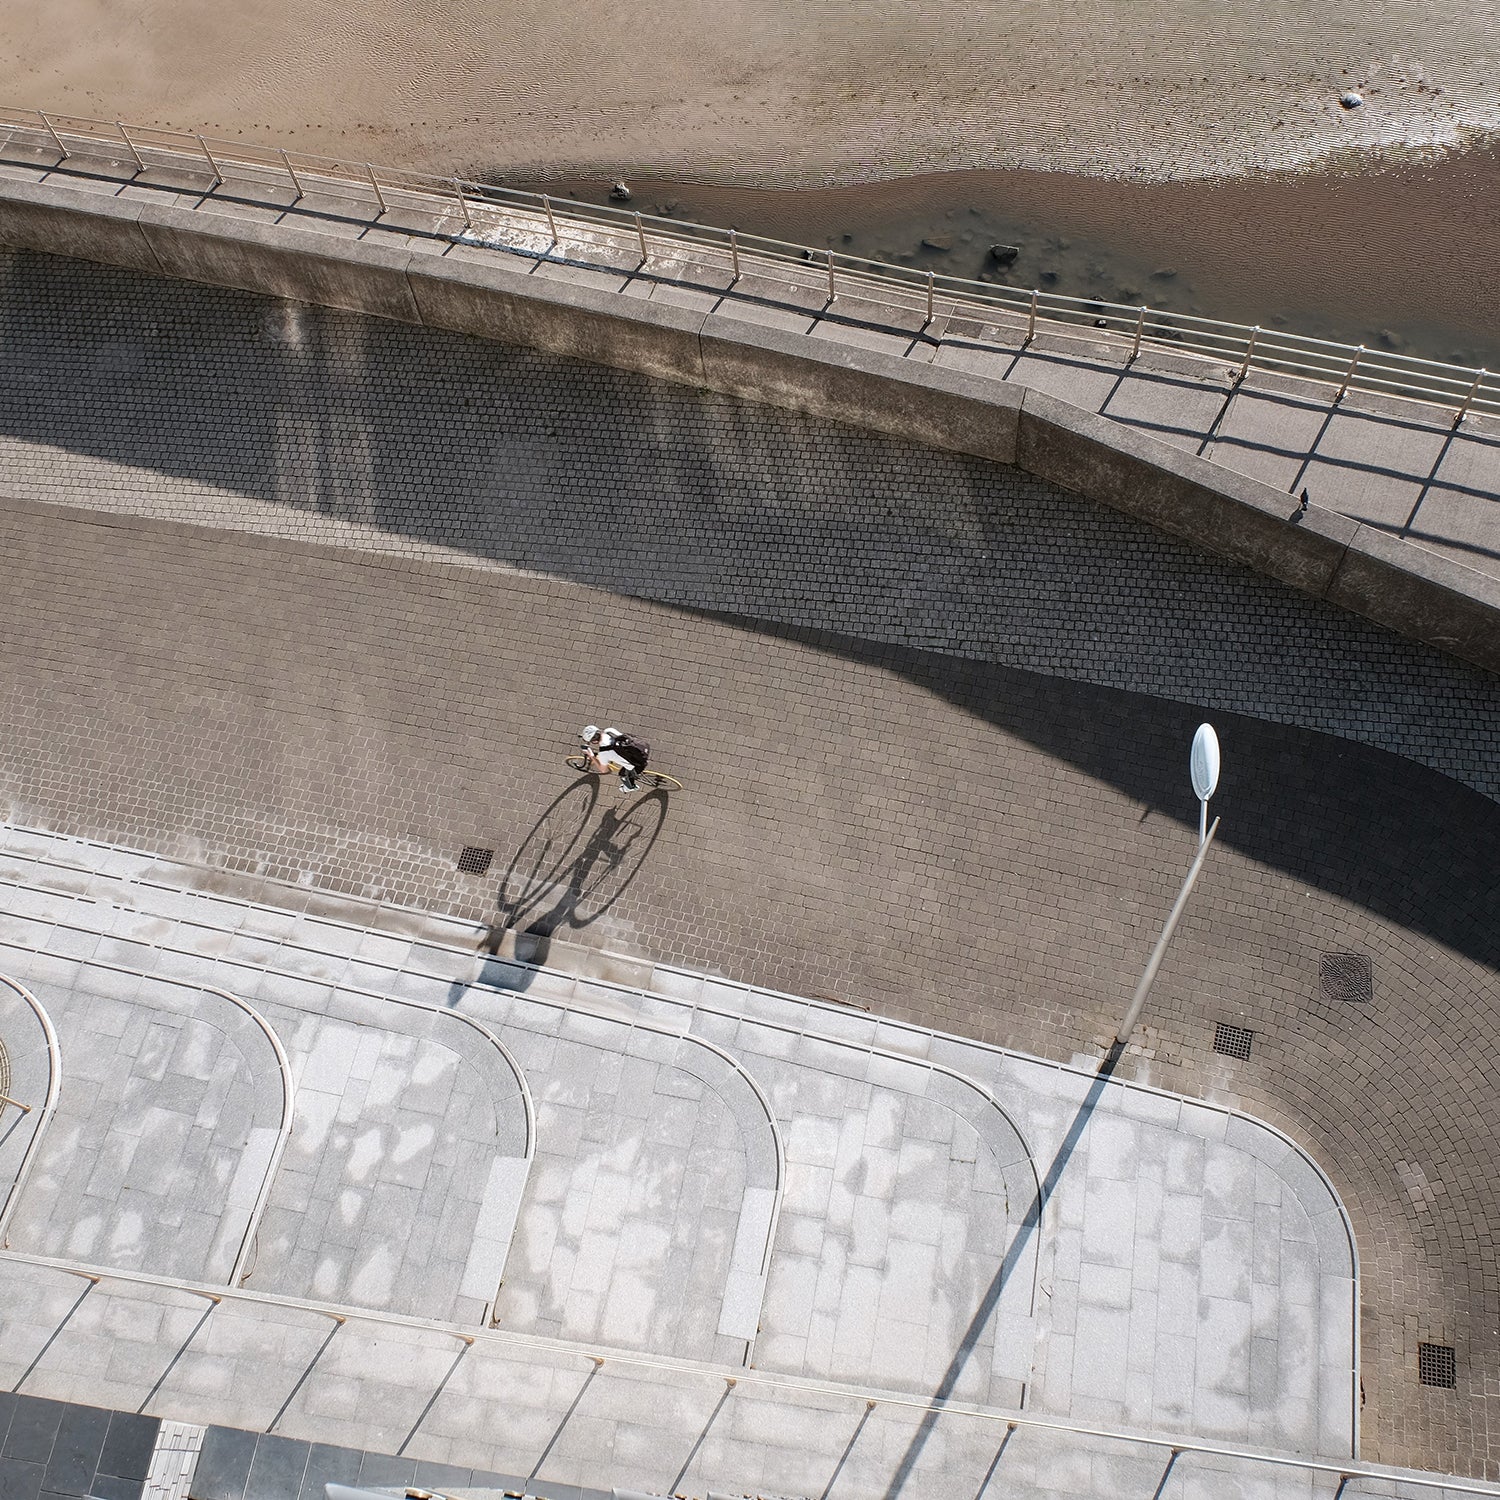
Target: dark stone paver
x=955, y=785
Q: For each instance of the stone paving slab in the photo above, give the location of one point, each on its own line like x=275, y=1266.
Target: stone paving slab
x=905, y=1189
x=552, y=1414
x=163, y=1134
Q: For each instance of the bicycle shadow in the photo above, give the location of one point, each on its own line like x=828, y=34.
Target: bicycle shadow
x=565, y=875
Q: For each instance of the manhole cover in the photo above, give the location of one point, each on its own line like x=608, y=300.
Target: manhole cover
x=1346, y=977
x=474, y=861
x=1232, y=1041
x=1436, y=1365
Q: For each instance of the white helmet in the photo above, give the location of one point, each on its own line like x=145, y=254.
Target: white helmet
x=591, y=731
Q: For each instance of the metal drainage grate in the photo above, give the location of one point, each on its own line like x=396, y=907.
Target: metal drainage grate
x=1346, y=977
x=475, y=861
x=1436, y=1365
x=1232, y=1041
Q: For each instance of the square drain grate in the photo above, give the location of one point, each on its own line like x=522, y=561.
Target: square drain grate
x=475, y=861
x=1346, y=977
x=1232, y=1041
x=1436, y=1365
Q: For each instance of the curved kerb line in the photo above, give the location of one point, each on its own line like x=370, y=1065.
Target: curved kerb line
x=797, y=1001
x=54, y=1085
x=770, y=1381
x=581, y=1007
x=288, y=1091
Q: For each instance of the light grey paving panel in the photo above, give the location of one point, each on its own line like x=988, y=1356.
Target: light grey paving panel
x=168, y=1117
x=389, y=1179
x=627, y=1233
x=894, y=1231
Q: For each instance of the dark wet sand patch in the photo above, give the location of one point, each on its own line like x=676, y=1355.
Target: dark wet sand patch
x=1402, y=256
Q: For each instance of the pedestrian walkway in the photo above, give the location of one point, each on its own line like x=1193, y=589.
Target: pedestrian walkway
x=727, y=1184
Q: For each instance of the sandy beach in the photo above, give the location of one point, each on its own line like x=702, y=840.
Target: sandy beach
x=1112, y=140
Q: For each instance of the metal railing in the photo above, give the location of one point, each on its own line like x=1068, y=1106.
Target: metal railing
x=924, y=305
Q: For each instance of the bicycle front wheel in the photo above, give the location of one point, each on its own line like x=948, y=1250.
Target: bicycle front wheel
x=576, y=762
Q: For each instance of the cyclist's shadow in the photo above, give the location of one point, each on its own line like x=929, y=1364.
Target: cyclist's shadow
x=566, y=875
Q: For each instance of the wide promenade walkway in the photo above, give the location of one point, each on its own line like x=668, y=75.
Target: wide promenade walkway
x=308, y=595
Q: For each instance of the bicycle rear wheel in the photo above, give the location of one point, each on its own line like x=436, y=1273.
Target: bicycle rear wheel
x=657, y=781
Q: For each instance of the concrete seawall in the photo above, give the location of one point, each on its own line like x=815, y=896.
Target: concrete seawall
x=428, y=281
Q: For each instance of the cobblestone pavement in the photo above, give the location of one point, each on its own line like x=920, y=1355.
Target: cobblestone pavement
x=1022, y=681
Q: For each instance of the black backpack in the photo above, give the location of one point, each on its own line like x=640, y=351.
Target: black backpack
x=637, y=752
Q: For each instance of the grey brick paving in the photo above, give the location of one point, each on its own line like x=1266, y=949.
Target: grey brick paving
x=1031, y=666
x=189, y=403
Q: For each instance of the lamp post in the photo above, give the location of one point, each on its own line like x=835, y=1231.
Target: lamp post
x=1204, y=767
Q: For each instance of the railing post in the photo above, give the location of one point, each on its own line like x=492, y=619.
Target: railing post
x=551, y=222
x=1359, y=354
x=1463, y=410
x=1140, y=324
x=56, y=138
x=831, y=293
x=140, y=165
x=6, y=1099
x=640, y=234
x=291, y=172
x=734, y=255
x=931, y=278
x=463, y=203
x=375, y=183
x=213, y=165
x=1031, y=321
x=1249, y=354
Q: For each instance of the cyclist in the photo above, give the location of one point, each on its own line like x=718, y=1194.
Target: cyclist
x=612, y=750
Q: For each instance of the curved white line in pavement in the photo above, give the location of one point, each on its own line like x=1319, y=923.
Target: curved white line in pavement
x=54, y=1087
x=288, y=1092
x=247, y=1241
x=528, y=1105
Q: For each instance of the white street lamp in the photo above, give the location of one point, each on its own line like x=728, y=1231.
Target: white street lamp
x=1204, y=767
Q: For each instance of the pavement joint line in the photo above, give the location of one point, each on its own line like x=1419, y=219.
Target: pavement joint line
x=869, y=1396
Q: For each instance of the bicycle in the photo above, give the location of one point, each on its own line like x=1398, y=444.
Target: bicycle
x=645, y=781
